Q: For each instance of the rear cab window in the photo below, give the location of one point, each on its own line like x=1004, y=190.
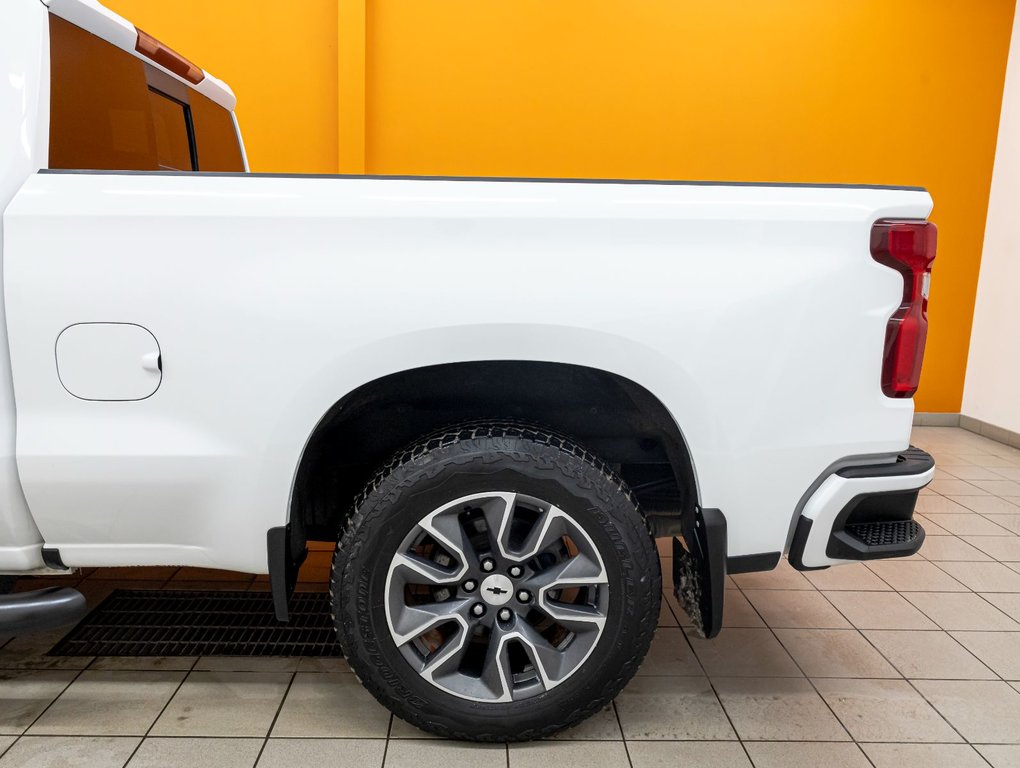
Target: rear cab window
x=110, y=110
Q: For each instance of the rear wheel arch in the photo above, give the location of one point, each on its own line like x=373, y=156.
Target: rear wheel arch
x=616, y=418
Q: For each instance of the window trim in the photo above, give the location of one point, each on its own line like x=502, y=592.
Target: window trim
x=189, y=124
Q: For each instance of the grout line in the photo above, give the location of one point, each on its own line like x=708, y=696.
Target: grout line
x=44, y=710
x=279, y=709
x=623, y=736
x=152, y=725
x=801, y=670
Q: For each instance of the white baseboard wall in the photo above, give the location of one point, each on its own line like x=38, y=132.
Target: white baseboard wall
x=969, y=423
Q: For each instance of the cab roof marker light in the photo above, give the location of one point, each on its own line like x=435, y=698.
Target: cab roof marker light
x=168, y=58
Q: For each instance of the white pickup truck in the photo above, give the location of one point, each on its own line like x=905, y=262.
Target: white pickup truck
x=494, y=394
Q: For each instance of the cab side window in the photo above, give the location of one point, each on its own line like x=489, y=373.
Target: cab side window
x=110, y=110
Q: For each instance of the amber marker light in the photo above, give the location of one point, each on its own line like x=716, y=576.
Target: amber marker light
x=167, y=57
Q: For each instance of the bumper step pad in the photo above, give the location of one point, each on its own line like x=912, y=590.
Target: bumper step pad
x=894, y=534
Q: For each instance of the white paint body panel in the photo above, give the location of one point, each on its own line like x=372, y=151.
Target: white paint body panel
x=754, y=313
x=24, y=121
x=108, y=361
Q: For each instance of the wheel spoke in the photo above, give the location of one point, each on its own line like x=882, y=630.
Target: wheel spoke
x=576, y=618
x=413, y=569
x=497, y=676
x=553, y=665
x=578, y=570
x=410, y=622
x=489, y=650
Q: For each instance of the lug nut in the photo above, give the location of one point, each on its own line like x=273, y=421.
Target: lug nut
x=488, y=564
x=504, y=614
x=470, y=585
x=478, y=609
x=516, y=571
x=524, y=596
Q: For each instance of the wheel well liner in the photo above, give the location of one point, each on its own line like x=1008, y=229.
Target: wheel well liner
x=614, y=417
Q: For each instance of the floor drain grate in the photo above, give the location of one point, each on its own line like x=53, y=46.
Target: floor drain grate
x=139, y=622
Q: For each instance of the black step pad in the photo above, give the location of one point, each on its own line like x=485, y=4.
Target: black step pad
x=899, y=532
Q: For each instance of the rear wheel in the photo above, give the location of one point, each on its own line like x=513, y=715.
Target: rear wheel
x=496, y=582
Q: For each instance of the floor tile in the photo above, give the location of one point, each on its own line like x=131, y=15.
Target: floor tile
x=984, y=577
x=672, y=708
x=24, y=695
x=1008, y=603
x=963, y=610
x=334, y=753
x=604, y=725
x=738, y=612
x=675, y=754
x=966, y=524
x=930, y=528
x=983, y=711
x=670, y=654
x=956, y=487
x=247, y=664
x=777, y=708
x=446, y=754
x=879, y=610
x=330, y=704
x=1000, y=755
x=1010, y=522
x=924, y=756
x=987, y=505
x=834, y=653
x=940, y=548
x=323, y=664
x=192, y=753
x=224, y=704
x=884, y=710
x=144, y=663
x=847, y=577
x=937, y=504
x=1000, y=488
x=565, y=754
x=29, y=652
x=1001, y=548
x=69, y=752
x=998, y=650
x=744, y=653
x=785, y=576
x=933, y=655
x=915, y=576
x=790, y=608
x=109, y=703
x=666, y=617
x=805, y=754
x=969, y=472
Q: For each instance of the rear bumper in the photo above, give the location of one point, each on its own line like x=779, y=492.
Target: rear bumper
x=40, y=609
x=863, y=513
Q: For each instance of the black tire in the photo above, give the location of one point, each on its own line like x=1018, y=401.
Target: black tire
x=479, y=458
x=7, y=584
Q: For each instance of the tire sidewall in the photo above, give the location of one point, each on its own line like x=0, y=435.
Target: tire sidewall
x=594, y=498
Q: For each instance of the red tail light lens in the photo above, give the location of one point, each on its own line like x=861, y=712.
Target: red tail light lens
x=909, y=248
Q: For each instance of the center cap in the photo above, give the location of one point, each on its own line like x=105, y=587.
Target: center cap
x=497, y=589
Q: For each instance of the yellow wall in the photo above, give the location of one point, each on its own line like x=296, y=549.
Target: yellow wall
x=871, y=91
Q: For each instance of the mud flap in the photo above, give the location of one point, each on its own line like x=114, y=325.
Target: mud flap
x=699, y=571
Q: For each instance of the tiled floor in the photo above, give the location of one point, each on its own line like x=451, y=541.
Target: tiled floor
x=900, y=663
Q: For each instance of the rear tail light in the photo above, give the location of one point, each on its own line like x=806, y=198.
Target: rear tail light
x=167, y=57
x=909, y=248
